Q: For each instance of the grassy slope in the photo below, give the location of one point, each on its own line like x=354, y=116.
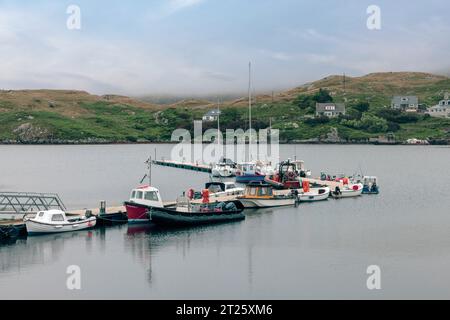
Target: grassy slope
x=79, y=116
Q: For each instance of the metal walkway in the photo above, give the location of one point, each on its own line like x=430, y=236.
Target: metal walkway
x=20, y=202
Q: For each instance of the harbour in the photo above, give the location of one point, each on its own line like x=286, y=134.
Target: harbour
x=305, y=250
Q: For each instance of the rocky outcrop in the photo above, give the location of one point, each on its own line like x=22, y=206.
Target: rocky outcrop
x=28, y=133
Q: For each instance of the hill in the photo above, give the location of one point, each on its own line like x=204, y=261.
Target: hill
x=67, y=116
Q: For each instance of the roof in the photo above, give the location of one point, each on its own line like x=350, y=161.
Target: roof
x=213, y=113
x=410, y=99
x=322, y=107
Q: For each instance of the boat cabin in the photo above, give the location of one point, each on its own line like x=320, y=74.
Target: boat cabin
x=259, y=190
x=51, y=216
x=146, y=195
x=370, y=181
x=216, y=187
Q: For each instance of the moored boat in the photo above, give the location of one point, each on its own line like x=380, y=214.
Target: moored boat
x=263, y=195
x=142, y=199
x=188, y=214
x=224, y=169
x=370, y=185
x=348, y=191
x=308, y=194
x=252, y=171
x=56, y=221
x=218, y=190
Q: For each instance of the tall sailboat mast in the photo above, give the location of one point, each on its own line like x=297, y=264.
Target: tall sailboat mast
x=250, y=98
x=250, y=107
x=218, y=121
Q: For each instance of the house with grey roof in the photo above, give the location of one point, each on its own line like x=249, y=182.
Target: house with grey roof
x=405, y=103
x=442, y=109
x=330, y=109
x=211, y=115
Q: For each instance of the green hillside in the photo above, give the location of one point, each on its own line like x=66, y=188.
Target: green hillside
x=51, y=116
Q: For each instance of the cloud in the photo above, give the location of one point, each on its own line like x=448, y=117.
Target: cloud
x=176, y=5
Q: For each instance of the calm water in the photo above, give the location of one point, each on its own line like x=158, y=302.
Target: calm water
x=317, y=250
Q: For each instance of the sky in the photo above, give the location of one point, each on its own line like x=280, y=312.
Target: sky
x=203, y=47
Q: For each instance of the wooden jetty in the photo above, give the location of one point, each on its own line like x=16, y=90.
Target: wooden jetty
x=184, y=165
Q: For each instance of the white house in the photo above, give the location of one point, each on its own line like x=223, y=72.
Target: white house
x=442, y=109
x=212, y=115
x=330, y=110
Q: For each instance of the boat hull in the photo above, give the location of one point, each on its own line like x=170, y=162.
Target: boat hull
x=137, y=213
x=167, y=217
x=266, y=203
x=347, y=194
x=35, y=228
x=313, y=197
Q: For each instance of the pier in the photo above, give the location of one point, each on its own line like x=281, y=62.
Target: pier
x=184, y=165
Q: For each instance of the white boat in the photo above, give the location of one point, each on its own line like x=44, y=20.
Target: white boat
x=224, y=169
x=55, y=221
x=314, y=194
x=223, y=189
x=348, y=191
x=253, y=171
x=262, y=195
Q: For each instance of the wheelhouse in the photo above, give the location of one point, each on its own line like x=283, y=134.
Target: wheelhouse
x=146, y=195
x=255, y=190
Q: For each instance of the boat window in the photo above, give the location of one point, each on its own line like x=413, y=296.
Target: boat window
x=252, y=191
x=133, y=194
x=41, y=214
x=57, y=217
x=151, y=195
x=264, y=191
x=139, y=195
x=231, y=186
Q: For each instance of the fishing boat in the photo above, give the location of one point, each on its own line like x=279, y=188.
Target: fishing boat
x=142, y=199
x=224, y=169
x=56, y=221
x=348, y=191
x=287, y=176
x=370, y=185
x=252, y=171
x=263, y=195
x=218, y=190
x=308, y=194
x=186, y=213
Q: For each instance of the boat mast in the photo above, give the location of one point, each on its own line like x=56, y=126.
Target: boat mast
x=218, y=121
x=250, y=107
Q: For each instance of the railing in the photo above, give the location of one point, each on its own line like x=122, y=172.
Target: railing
x=20, y=202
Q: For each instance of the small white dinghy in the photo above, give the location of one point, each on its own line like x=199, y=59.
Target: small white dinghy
x=55, y=221
x=354, y=190
x=314, y=194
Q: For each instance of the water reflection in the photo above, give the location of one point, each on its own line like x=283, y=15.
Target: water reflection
x=38, y=250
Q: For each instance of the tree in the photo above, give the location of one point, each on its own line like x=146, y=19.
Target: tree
x=362, y=107
x=308, y=102
x=323, y=96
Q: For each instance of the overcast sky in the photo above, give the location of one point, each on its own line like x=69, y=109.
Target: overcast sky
x=203, y=46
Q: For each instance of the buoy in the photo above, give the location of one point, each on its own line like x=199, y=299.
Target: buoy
x=205, y=196
x=190, y=194
x=305, y=186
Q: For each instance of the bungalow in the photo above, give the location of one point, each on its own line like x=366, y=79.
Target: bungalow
x=330, y=110
x=442, y=109
x=212, y=115
x=405, y=103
